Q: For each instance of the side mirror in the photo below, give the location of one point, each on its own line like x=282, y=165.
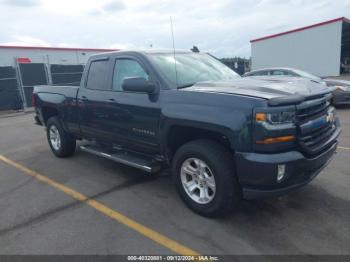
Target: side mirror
x=138, y=84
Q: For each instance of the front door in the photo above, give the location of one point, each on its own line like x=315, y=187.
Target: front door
x=136, y=116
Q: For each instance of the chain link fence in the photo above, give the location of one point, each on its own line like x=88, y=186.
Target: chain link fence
x=17, y=83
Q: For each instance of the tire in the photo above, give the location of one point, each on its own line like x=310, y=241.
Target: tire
x=218, y=164
x=66, y=145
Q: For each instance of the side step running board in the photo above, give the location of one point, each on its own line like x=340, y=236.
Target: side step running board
x=124, y=157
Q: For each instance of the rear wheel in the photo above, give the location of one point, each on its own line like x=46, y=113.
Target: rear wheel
x=205, y=179
x=62, y=143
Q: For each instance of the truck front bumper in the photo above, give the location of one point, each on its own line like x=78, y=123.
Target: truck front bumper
x=257, y=173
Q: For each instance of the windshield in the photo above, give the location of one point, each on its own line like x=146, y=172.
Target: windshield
x=308, y=75
x=191, y=68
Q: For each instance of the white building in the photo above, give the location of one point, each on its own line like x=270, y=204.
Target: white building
x=319, y=49
x=50, y=55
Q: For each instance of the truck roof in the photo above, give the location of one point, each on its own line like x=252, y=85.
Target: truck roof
x=143, y=51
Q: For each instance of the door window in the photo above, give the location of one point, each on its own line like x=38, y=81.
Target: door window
x=279, y=73
x=97, y=75
x=260, y=73
x=126, y=68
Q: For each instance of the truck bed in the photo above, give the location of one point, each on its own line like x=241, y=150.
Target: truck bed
x=67, y=91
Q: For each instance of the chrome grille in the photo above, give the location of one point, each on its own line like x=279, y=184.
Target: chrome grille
x=312, y=108
x=315, y=126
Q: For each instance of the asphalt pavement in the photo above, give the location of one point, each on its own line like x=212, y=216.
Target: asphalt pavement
x=88, y=205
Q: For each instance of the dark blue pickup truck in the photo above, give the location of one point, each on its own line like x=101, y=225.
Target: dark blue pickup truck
x=225, y=137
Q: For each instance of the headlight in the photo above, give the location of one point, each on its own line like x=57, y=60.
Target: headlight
x=276, y=118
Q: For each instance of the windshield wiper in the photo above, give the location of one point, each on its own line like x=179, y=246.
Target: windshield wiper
x=186, y=85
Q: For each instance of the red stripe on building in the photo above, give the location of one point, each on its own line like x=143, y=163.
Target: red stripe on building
x=60, y=48
x=343, y=19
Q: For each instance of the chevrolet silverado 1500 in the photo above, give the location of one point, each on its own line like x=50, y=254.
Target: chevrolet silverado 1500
x=224, y=137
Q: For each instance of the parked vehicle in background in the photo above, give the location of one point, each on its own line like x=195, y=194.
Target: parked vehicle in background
x=285, y=71
x=341, y=94
x=225, y=137
x=345, y=66
x=341, y=88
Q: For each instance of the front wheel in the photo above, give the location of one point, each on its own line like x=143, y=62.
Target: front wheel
x=205, y=178
x=62, y=143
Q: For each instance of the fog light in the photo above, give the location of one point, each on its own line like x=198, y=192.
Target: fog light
x=281, y=170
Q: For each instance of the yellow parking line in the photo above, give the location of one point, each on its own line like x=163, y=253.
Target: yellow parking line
x=343, y=147
x=130, y=223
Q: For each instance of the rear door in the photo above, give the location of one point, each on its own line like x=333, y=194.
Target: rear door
x=111, y=115
x=94, y=99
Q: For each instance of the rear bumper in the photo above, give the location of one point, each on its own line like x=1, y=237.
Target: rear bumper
x=257, y=173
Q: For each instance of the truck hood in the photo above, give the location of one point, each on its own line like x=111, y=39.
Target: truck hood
x=267, y=89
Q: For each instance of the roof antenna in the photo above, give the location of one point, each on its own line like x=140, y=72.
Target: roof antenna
x=172, y=35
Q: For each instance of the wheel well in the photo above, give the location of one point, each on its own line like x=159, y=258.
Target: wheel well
x=48, y=112
x=180, y=135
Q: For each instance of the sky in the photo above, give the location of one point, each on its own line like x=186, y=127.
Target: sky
x=221, y=27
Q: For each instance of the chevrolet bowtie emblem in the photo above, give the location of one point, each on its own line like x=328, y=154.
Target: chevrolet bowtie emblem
x=330, y=117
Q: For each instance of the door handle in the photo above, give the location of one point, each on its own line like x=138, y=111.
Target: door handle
x=111, y=100
x=82, y=100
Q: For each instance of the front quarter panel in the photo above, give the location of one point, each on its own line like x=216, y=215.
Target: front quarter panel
x=230, y=115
